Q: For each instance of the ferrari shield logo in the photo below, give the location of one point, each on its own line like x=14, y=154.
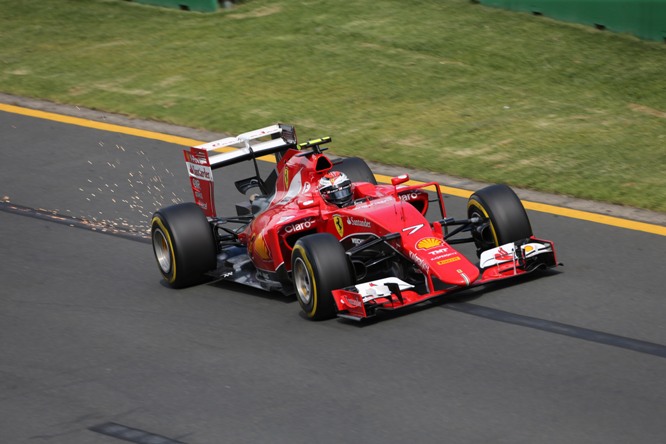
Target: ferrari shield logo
x=286, y=178
x=337, y=221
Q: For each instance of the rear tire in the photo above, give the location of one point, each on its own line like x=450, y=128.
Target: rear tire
x=183, y=244
x=356, y=169
x=505, y=216
x=319, y=265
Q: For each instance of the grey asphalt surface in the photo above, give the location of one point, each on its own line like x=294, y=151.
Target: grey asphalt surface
x=89, y=335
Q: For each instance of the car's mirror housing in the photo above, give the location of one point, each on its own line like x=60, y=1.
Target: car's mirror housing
x=306, y=203
x=395, y=181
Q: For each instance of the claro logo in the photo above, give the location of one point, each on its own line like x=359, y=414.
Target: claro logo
x=299, y=226
x=409, y=196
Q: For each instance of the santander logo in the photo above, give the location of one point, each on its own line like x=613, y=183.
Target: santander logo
x=503, y=255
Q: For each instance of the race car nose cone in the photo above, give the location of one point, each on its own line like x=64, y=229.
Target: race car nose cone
x=459, y=271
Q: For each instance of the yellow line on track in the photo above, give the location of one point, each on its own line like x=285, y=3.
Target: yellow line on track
x=597, y=218
x=99, y=125
x=544, y=208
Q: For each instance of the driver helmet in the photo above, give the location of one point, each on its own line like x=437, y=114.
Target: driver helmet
x=335, y=187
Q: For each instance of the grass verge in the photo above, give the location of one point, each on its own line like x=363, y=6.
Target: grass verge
x=450, y=87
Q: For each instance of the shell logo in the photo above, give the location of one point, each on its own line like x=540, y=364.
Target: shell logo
x=448, y=261
x=260, y=249
x=429, y=242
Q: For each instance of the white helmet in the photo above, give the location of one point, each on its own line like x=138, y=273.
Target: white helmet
x=335, y=187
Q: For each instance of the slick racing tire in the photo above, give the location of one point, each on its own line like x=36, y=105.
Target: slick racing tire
x=183, y=243
x=356, y=169
x=505, y=219
x=319, y=265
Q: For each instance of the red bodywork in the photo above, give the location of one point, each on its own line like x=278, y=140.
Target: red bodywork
x=396, y=211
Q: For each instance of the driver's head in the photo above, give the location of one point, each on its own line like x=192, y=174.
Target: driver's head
x=335, y=187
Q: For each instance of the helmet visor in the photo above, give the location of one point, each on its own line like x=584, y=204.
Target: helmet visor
x=340, y=195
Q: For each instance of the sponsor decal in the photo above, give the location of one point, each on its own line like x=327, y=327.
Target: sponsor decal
x=293, y=189
x=337, y=221
x=409, y=196
x=448, y=261
x=428, y=243
x=351, y=302
x=356, y=240
x=285, y=177
x=464, y=276
x=413, y=229
x=442, y=256
x=438, y=251
x=533, y=249
x=299, y=226
x=503, y=255
x=201, y=179
x=358, y=223
x=200, y=171
x=423, y=265
x=197, y=156
x=376, y=202
x=259, y=247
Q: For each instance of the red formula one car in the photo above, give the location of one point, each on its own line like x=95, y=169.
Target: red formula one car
x=329, y=233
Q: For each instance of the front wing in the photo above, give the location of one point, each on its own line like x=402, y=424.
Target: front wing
x=507, y=261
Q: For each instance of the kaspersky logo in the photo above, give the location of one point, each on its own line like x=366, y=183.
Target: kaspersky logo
x=339, y=225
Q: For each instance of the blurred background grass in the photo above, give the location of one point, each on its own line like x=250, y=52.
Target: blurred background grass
x=444, y=86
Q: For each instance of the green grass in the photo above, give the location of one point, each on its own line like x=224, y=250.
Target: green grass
x=446, y=86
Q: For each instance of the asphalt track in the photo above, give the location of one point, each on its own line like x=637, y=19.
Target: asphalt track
x=95, y=348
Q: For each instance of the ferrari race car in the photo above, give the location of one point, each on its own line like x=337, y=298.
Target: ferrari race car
x=326, y=231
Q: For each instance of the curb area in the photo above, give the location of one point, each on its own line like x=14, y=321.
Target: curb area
x=606, y=209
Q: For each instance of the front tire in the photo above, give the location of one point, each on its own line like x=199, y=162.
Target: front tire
x=183, y=244
x=504, y=215
x=319, y=265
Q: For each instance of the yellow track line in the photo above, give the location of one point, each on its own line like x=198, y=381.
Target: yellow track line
x=544, y=208
x=99, y=125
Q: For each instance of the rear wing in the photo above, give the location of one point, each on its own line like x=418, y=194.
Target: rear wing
x=282, y=138
x=200, y=164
